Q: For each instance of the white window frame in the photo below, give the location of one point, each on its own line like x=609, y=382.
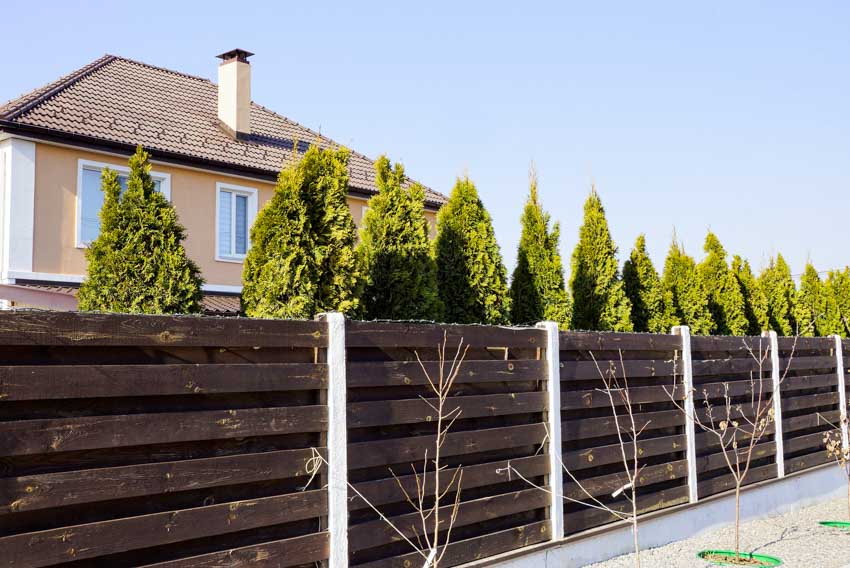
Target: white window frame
x=164, y=186
x=253, y=206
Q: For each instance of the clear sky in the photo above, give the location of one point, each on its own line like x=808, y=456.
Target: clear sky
x=733, y=116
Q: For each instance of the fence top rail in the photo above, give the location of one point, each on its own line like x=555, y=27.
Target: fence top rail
x=44, y=328
x=805, y=343
x=729, y=343
x=429, y=335
x=613, y=341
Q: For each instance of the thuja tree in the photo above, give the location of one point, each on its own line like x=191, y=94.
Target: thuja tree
x=688, y=299
x=837, y=291
x=471, y=278
x=138, y=264
x=537, y=286
x=302, y=259
x=725, y=300
x=599, y=298
x=779, y=289
x=755, y=302
x=643, y=288
x=810, y=306
x=400, y=276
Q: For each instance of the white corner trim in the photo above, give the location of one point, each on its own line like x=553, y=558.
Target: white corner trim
x=223, y=288
x=165, y=188
x=337, y=441
x=776, y=379
x=43, y=276
x=253, y=208
x=690, y=428
x=18, y=205
x=553, y=414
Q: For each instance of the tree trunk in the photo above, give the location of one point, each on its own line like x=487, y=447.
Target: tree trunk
x=737, y=519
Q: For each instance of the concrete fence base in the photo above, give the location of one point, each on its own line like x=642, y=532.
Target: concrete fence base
x=763, y=499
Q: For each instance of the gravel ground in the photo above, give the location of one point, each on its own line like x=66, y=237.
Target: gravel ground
x=795, y=537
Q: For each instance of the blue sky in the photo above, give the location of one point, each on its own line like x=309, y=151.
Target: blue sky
x=733, y=116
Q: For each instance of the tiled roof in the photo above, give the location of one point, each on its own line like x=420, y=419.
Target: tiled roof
x=214, y=304
x=122, y=101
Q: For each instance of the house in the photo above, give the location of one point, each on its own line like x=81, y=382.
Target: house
x=215, y=155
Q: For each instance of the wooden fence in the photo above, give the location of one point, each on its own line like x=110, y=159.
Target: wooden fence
x=183, y=441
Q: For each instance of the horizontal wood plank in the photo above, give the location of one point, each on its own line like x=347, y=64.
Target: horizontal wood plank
x=632, y=369
x=471, y=549
x=598, y=398
x=112, y=431
x=410, y=411
x=729, y=343
x=71, y=328
x=613, y=341
x=575, y=460
x=407, y=373
x=585, y=518
x=378, y=532
x=41, y=491
x=276, y=554
x=388, y=490
x=429, y=336
x=607, y=484
x=411, y=449
x=606, y=425
x=37, y=382
x=91, y=540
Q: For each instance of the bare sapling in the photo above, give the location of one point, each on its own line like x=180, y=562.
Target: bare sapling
x=740, y=421
x=629, y=430
x=430, y=534
x=837, y=449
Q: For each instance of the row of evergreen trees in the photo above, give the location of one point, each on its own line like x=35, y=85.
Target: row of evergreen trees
x=306, y=258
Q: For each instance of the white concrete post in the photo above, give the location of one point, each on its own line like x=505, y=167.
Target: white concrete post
x=690, y=427
x=553, y=386
x=842, y=392
x=337, y=442
x=776, y=378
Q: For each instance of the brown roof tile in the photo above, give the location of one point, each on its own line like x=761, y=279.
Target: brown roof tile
x=213, y=304
x=126, y=102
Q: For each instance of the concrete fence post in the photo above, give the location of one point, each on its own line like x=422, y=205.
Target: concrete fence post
x=776, y=379
x=337, y=441
x=553, y=387
x=842, y=391
x=690, y=426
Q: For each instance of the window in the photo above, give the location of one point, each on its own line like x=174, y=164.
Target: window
x=90, y=197
x=236, y=208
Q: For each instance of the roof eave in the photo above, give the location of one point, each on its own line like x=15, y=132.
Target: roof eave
x=104, y=145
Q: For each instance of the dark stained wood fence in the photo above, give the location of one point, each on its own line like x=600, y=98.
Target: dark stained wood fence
x=744, y=364
x=184, y=442
x=810, y=399
x=174, y=442
x=592, y=453
x=502, y=399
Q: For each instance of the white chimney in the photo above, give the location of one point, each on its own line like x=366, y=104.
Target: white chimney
x=234, y=91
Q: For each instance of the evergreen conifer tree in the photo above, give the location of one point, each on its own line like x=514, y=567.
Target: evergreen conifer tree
x=643, y=288
x=688, y=299
x=779, y=289
x=837, y=291
x=725, y=300
x=599, y=299
x=755, y=302
x=138, y=264
x=537, y=286
x=810, y=307
x=400, y=276
x=302, y=261
x=471, y=278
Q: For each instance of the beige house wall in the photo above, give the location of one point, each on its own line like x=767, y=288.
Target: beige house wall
x=193, y=193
